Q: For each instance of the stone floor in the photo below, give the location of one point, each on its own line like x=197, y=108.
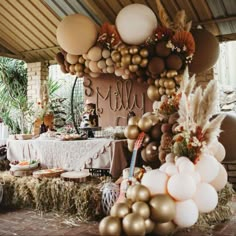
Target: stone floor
x=29, y=223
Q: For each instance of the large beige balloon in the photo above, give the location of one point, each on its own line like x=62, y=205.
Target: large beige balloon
x=221, y=179
x=76, y=34
x=135, y=23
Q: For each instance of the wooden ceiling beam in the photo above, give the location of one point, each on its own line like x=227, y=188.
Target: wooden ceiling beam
x=41, y=50
x=215, y=21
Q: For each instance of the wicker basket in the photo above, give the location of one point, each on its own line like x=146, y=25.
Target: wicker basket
x=231, y=170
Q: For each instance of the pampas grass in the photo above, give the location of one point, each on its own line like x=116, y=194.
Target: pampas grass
x=82, y=200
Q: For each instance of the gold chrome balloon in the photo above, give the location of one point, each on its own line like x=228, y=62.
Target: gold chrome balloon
x=116, y=57
x=145, y=124
x=133, y=224
x=78, y=67
x=144, y=62
x=136, y=59
x=139, y=192
x=133, y=50
x=153, y=93
x=110, y=226
x=171, y=73
x=142, y=209
x=120, y=210
x=124, y=51
x=162, y=208
x=133, y=120
x=164, y=228
x=162, y=91
x=144, y=52
x=126, y=59
x=133, y=68
x=149, y=225
x=131, y=131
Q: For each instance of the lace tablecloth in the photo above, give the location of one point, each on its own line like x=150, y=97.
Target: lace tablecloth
x=71, y=155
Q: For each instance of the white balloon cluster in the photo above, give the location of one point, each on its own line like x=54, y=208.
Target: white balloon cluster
x=193, y=186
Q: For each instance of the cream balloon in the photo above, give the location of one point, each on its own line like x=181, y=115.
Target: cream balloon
x=76, y=34
x=156, y=181
x=94, y=67
x=186, y=167
x=186, y=213
x=208, y=168
x=165, y=165
x=221, y=179
x=206, y=198
x=131, y=19
x=181, y=186
x=171, y=170
x=217, y=149
x=180, y=159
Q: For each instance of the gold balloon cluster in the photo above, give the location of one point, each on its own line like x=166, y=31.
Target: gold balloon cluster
x=167, y=84
x=130, y=60
x=150, y=124
x=140, y=214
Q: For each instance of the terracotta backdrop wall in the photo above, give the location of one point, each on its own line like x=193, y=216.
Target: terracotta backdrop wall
x=114, y=98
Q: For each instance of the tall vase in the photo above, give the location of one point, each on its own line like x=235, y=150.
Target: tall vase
x=43, y=128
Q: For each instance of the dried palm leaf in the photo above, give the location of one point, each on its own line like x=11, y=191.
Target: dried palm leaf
x=164, y=18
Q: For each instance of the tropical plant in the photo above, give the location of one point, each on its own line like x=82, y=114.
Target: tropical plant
x=15, y=110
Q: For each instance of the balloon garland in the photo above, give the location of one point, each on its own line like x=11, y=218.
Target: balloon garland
x=180, y=141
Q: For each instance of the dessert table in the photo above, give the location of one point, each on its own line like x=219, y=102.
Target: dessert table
x=101, y=153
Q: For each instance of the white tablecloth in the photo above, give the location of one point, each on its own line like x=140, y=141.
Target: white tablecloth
x=71, y=155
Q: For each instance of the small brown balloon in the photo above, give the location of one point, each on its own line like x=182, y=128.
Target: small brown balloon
x=144, y=52
x=162, y=50
x=164, y=228
x=146, y=140
x=110, y=226
x=60, y=58
x=155, y=132
x=142, y=209
x=150, y=81
x=120, y=210
x=152, y=152
x=174, y=62
x=131, y=131
x=162, y=208
x=133, y=224
x=156, y=65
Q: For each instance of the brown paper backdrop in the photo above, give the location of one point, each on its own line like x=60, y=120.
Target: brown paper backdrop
x=115, y=97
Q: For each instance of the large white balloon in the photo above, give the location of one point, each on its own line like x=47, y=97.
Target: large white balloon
x=206, y=198
x=156, y=181
x=181, y=186
x=135, y=23
x=221, y=179
x=186, y=213
x=218, y=150
x=208, y=168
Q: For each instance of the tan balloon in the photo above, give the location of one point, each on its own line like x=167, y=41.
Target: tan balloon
x=78, y=67
x=101, y=64
x=162, y=90
x=72, y=59
x=139, y=192
x=81, y=60
x=120, y=210
x=153, y=93
x=164, y=228
x=79, y=74
x=105, y=53
x=72, y=68
x=131, y=131
x=133, y=224
x=145, y=124
x=110, y=226
x=110, y=69
x=93, y=67
x=109, y=61
x=94, y=75
x=95, y=53
x=133, y=120
x=76, y=34
x=142, y=209
x=149, y=225
x=162, y=208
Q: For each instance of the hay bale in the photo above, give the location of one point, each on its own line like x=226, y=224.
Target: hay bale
x=4, y=165
x=83, y=200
